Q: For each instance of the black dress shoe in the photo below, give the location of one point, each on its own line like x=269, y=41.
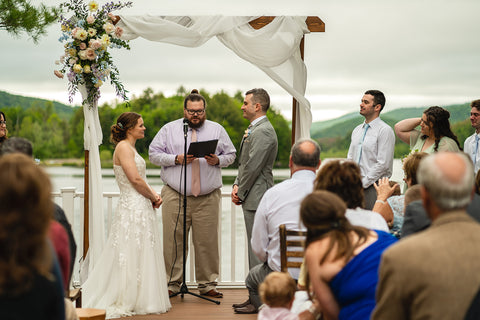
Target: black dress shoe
x=248, y=309
x=241, y=305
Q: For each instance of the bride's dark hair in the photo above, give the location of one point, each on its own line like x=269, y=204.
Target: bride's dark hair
x=125, y=121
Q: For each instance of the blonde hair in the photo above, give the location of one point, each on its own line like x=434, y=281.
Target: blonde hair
x=278, y=289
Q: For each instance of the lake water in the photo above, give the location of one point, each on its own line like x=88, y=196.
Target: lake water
x=74, y=177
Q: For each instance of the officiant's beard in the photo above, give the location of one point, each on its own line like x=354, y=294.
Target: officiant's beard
x=198, y=124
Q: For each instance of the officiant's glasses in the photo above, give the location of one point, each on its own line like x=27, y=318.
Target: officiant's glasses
x=195, y=112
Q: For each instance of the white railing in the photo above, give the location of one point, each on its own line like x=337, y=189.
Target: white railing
x=232, y=239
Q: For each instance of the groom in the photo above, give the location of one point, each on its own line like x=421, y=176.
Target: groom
x=204, y=180
x=257, y=154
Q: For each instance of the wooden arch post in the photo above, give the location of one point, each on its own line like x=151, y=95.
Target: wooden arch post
x=314, y=24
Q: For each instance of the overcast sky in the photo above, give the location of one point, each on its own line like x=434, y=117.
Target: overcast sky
x=418, y=52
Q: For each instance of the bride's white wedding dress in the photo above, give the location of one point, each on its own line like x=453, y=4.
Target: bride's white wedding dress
x=129, y=278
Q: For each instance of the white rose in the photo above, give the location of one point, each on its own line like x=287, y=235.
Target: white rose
x=92, y=32
x=108, y=27
x=82, y=54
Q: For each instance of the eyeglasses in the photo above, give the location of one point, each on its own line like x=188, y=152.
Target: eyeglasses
x=195, y=112
x=3, y=122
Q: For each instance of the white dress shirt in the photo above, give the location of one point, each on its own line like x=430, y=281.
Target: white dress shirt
x=170, y=142
x=279, y=205
x=469, y=148
x=367, y=219
x=377, y=151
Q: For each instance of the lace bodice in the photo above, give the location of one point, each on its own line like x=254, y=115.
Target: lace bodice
x=129, y=197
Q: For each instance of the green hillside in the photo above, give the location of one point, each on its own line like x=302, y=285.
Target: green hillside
x=345, y=124
x=8, y=100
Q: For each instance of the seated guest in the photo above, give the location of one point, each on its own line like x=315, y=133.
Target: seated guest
x=416, y=218
x=277, y=292
x=344, y=179
x=434, y=274
x=412, y=194
x=390, y=205
x=61, y=233
x=27, y=288
x=342, y=259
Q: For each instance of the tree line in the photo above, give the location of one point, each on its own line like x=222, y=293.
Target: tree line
x=56, y=136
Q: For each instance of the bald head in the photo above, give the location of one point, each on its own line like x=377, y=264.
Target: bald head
x=305, y=154
x=448, y=178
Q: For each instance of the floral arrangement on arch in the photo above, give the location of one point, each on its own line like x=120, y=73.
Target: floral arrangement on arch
x=87, y=35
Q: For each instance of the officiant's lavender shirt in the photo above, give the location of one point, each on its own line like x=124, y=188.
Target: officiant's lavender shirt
x=169, y=142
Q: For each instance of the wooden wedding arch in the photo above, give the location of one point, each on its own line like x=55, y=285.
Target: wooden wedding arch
x=314, y=24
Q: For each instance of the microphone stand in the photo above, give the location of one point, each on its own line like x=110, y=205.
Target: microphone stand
x=183, y=287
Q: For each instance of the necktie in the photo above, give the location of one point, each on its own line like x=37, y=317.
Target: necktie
x=365, y=128
x=476, y=150
x=195, y=169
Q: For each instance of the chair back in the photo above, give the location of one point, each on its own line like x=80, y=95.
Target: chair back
x=291, y=248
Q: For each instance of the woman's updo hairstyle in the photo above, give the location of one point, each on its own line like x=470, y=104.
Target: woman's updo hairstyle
x=125, y=121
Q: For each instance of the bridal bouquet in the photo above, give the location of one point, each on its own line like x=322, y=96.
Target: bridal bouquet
x=87, y=36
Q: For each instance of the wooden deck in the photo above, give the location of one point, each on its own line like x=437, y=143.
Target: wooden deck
x=192, y=307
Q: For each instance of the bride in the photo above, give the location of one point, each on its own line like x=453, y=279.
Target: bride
x=129, y=278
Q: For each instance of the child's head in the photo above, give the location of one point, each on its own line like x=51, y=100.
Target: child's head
x=412, y=194
x=278, y=290
x=397, y=190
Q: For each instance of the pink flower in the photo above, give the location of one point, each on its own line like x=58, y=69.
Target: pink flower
x=90, y=54
x=118, y=32
x=58, y=74
x=83, y=46
x=74, y=32
x=90, y=19
x=94, y=44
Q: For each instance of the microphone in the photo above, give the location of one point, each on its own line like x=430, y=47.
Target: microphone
x=185, y=126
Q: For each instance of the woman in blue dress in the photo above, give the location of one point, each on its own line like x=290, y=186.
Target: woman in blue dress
x=342, y=259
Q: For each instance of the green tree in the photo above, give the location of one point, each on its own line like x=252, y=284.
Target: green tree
x=17, y=16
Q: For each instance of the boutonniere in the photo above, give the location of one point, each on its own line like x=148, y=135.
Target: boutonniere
x=247, y=132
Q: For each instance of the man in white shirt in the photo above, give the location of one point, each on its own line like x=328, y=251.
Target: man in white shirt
x=279, y=205
x=471, y=145
x=372, y=145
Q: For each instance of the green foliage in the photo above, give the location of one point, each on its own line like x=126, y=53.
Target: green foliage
x=17, y=16
x=106, y=155
x=56, y=137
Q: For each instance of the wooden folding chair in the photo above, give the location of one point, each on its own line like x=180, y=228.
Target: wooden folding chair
x=291, y=248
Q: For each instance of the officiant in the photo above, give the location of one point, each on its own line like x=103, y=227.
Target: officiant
x=204, y=180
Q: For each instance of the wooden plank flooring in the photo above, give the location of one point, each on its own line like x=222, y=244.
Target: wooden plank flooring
x=192, y=307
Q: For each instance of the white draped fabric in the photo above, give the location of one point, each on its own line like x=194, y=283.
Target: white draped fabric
x=275, y=48
x=92, y=139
